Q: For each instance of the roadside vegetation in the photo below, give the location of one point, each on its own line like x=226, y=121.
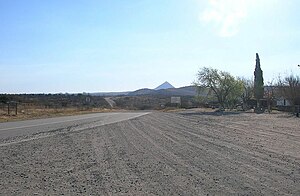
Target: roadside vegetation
x=217, y=88
x=222, y=85
x=28, y=106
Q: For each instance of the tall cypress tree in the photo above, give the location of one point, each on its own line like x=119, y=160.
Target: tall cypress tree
x=258, y=80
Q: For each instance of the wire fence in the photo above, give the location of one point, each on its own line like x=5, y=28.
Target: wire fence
x=15, y=108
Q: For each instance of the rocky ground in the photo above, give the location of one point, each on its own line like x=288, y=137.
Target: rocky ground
x=184, y=153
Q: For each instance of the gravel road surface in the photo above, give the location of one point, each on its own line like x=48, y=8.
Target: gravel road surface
x=187, y=153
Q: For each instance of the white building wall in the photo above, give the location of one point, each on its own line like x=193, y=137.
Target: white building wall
x=283, y=102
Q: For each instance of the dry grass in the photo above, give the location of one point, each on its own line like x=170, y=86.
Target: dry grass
x=47, y=113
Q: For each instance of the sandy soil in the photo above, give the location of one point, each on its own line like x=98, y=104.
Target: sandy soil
x=186, y=153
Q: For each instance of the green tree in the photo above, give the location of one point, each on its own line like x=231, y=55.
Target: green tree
x=225, y=88
x=258, y=80
x=3, y=99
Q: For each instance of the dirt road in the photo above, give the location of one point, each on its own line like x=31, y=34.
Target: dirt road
x=188, y=153
x=111, y=102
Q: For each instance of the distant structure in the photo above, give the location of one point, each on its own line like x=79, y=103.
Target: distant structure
x=176, y=100
x=165, y=85
x=258, y=82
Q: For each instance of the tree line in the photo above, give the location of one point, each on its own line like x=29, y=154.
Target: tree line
x=229, y=91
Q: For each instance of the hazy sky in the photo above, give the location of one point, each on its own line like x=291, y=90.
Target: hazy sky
x=120, y=45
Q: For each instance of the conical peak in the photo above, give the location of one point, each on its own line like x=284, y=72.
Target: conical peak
x=165, y=85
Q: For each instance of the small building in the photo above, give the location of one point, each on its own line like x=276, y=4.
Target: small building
x=283, y=102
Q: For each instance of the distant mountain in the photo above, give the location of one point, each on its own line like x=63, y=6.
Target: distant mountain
x=165, y=89
x=165, y=85
x=143, y=91
x=183, y=91
x=108, y=94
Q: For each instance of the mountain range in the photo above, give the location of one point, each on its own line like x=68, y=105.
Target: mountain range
x=165, y=89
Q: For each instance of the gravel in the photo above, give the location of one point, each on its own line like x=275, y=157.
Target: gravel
x=185, y=153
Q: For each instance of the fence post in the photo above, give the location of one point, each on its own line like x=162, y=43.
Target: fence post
x=8, y=108
x=16, y=108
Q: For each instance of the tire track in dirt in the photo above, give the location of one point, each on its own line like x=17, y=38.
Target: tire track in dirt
x=175, y=163
x=262, y=161
x=157, y=154
x=206, y=162
x=187, y=158
x=228, y=130
x=112, y=159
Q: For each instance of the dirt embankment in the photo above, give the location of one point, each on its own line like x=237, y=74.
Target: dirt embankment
x=188, y=153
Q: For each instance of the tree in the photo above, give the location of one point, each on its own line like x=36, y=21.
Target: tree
x=289, y=88
x=3, y=99
x=269, y=95
x=226, y=88
x=248, y=87
x=258, y=81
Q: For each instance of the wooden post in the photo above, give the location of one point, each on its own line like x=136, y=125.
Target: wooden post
x=16, y=108
x=8, y=108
